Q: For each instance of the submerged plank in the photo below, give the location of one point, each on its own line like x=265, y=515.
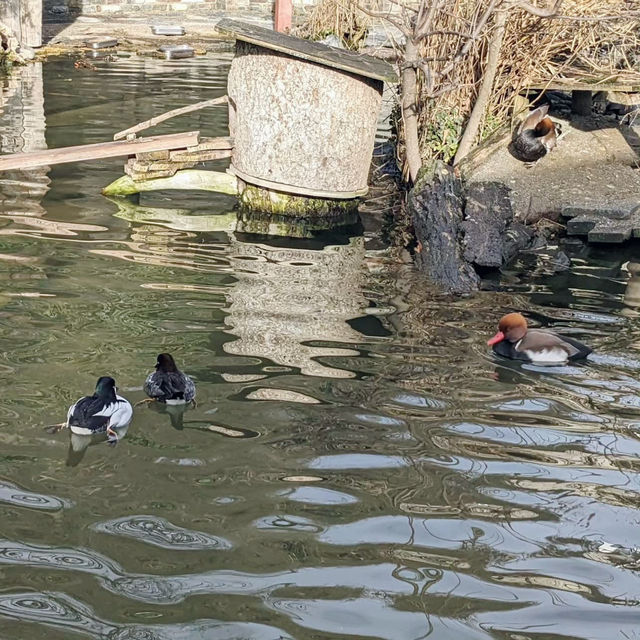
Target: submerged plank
x=98, y=151
x=152, y=122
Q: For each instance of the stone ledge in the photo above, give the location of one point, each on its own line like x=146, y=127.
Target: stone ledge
x=610, y=226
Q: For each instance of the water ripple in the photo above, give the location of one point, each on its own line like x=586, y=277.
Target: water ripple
x=60, y=611
x=12, y=494
x=161, y=533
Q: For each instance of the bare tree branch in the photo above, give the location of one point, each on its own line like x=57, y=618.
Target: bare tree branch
x=425, y=23
x=403, y=5
x=541, y=12
x=464, y=49
x=384, y=16
x=484, y=94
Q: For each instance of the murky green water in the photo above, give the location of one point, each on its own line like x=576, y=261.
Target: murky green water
x=393, y=480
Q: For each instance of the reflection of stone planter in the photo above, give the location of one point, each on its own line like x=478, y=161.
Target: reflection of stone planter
x=286, y=298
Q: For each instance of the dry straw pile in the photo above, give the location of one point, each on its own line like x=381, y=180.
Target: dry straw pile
x=593, y=41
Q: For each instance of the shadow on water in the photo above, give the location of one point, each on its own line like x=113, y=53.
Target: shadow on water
x=358, y=463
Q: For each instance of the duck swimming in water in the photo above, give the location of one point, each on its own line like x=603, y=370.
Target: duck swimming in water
x=539, y=346
x=103, y=412
x=168, y=384
x=537, y=135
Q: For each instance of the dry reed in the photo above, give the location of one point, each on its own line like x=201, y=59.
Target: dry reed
x=335, y=17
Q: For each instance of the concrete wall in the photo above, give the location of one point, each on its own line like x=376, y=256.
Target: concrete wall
x=56, y=10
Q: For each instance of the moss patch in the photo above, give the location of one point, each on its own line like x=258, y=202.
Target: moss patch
x=265, y=201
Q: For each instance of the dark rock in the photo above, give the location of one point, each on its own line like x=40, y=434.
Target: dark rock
x=436, y=208
x=551, y=261
x=517, y=237
x=487, y=214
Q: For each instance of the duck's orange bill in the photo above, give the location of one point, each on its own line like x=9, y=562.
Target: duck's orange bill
x=499, y=337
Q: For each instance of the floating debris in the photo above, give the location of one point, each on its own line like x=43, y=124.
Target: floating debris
x=84, y=64
x=177, y=52
x=167, y=30
x=233, y=433
x=606, y=547
x=302, y=479
x=101, y=43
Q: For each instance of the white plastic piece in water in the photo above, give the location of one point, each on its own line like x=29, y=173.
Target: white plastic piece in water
x=168, y=30
x=606, y=547
x=101, y=43
x=176, y=52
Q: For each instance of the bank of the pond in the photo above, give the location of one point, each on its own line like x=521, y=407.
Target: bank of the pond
x=481, y=216
x=479, y=220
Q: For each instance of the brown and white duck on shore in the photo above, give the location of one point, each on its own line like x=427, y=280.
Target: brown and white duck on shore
x=537, y=135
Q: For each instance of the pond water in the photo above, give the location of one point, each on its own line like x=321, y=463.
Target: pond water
x=358, y=465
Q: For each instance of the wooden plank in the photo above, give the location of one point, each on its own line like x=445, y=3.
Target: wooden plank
x=169, y=114
x=207, y=144
x=350, y=61
x=208, y=149
x=98, y=151
x=200, y=156
x=568, y=85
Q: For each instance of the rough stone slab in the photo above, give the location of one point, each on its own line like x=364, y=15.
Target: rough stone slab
x=598, y=226
x=350, y=61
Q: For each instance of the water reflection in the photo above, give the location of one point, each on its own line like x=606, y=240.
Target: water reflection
x=286, y=297
x=161, y=533
x=23, y=130
x=78, y=444
x=58, y=610
x=358, y=465
x=14, y=495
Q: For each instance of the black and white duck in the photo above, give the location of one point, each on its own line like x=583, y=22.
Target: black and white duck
x=103, y=412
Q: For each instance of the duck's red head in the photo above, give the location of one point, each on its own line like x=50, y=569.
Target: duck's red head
x=511, y=327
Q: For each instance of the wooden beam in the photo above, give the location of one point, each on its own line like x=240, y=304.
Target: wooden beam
x=169, y=114
x=98, y=151
x=569, y=85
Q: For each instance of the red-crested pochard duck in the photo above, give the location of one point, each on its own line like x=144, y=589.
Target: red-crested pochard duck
x=538, y=346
